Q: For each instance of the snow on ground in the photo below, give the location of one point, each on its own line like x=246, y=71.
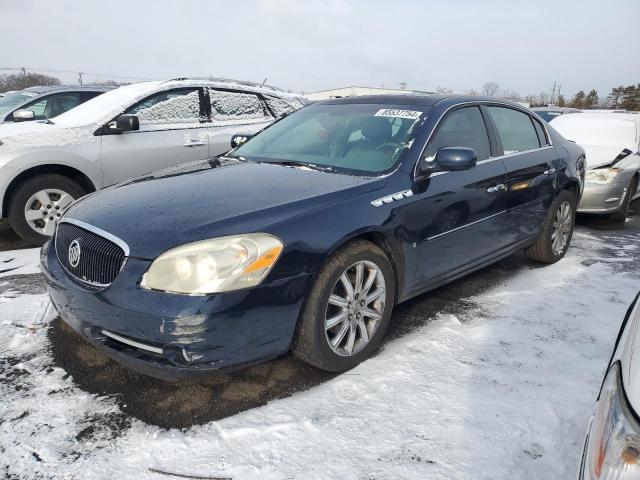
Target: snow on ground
x=502, y=391
x=19, y=262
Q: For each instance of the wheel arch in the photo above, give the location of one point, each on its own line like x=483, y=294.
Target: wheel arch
x=65, y=170
x=389, y=246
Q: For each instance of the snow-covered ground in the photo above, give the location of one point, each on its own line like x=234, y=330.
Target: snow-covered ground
x=503, y=390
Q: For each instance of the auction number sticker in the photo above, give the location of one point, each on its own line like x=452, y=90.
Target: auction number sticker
x=392, y=112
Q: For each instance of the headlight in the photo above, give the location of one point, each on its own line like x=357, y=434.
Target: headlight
x=214, y=266
x=601, y=175
x=613, y=449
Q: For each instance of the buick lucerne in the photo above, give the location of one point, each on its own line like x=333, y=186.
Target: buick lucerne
x=304, y=237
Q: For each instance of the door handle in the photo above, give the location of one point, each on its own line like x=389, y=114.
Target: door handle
x=551, y=171
x=194, y=143
x=498, y=188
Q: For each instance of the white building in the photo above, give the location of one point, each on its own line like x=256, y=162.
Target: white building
x=356, y=91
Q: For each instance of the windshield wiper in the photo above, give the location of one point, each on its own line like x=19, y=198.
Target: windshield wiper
x=295, y=163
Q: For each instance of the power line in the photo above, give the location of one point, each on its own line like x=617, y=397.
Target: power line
x=106, y=75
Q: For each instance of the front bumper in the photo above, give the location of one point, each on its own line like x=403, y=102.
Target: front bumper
x=173, y=336
x=604, y=198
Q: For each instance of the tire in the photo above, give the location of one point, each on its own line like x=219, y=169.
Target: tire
x=623, y=212
x=543, y=249
x=311, y=342
x=57, y=185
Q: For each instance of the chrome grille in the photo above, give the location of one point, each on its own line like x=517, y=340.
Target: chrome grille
x=100, y=258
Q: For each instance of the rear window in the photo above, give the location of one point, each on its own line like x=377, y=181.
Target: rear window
x=515, y=129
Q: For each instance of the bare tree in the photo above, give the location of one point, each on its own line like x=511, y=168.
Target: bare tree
x=16, y=81
x=510, y=95
x=490, y=89
x=472, y=92
x=543, y=98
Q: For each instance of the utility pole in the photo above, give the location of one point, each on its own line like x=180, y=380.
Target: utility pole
x=80, y=77
x=24, y=76
x=553, y=94
x=559, y=87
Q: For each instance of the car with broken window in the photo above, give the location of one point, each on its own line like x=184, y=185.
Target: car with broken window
x=126, y=132
x=307, y=235
x=612, y=446
x=44, y=102
x=612, y=144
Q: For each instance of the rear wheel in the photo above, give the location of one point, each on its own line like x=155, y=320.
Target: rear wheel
x=348, y=309
x=556, y=232
x=623, y=212
x=38, y=203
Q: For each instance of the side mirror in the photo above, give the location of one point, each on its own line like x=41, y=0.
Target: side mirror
x=127, y=123
x=453, y=159
x=23, y=115
x=239, y=139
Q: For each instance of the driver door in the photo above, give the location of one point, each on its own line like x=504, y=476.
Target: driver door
x=462, y=212
x=173, y=130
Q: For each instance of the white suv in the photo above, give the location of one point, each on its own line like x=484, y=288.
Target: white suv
x=121, y=134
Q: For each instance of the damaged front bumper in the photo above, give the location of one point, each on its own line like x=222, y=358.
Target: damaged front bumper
x=172, y=336
x=604, y=198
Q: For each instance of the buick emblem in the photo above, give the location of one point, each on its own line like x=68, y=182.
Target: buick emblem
x=74, y=253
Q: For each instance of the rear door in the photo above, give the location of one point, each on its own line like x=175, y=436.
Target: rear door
x=234, y=112
x=173, y=130
x=461, y=213
x=529, y=158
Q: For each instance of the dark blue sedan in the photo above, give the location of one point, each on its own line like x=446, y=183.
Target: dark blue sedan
x=306, y=236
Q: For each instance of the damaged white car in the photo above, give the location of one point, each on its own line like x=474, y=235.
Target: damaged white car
x=123, y=133
x=612, y=144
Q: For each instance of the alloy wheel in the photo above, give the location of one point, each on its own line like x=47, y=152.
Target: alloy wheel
x=44, y=208
x=355, y=308
x=561, y=227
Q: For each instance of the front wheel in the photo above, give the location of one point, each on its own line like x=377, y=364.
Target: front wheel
x=348, y=309
x=38, y=203
x=556, y=232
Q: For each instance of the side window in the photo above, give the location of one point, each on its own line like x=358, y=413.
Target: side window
x=53, y=105
x=84, y=96
x=229, y=107
x=174, y=108
x=540, y=131
x=280, y=106
x=461, y=128
x=515, y=129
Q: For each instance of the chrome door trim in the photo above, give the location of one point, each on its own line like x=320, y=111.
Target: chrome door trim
x=99, y=232
x=466, y=225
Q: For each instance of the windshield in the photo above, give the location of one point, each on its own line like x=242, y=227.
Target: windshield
x=12, y=100
x=354, y=138
x=103, y=107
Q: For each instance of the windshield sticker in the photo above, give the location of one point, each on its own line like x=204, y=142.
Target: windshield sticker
x=392, y=112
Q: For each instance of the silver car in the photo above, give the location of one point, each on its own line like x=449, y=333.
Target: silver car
x=121, y=134
x=612, y=446
x=41, y=103
x=612, y=144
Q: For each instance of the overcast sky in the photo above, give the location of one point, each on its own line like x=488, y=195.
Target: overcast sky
x=307, y=45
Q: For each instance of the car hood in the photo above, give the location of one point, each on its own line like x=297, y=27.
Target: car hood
x=23, y=135
x=211, y=199
x=601, y=155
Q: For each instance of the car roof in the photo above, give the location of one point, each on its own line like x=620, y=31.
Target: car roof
x=418, y=100
x=40, y=89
